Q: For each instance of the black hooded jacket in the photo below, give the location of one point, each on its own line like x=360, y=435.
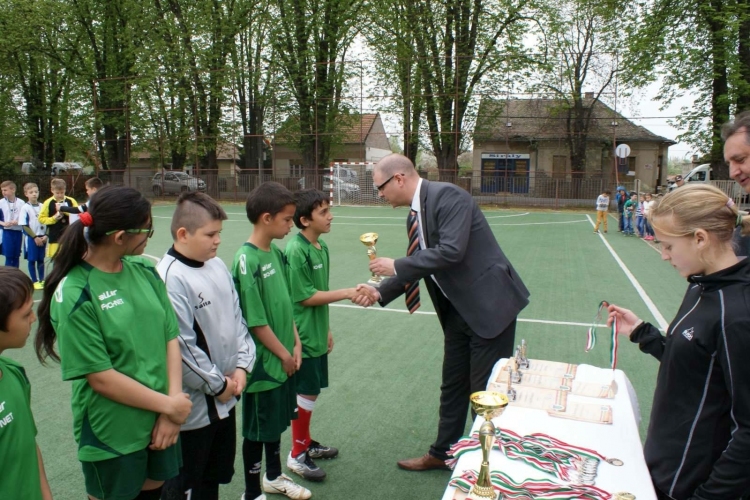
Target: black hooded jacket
x=698, y=442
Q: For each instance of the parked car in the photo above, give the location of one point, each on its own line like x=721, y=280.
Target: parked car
x=29, y=167
x=175, y=183
x=348, y=190
x=60, y=167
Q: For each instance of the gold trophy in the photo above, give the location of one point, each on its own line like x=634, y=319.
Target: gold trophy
x=369, y=240
x=489, y=405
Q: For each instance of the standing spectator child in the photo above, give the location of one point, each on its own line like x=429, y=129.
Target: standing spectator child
x=639, y=218
x=36, y=238
x=107, y=310
x=217, y=350
x=12, y=234
x=621, y=198
x=602, y=209
x=55, y=220
x=629, y=213
x=270, y=400
x=647, y=205
x=21, y=463
x=309, y=266
x=92, y=186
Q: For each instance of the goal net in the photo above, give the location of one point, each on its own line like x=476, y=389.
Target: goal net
x=350, y=183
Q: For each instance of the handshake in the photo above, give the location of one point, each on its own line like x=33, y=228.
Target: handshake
x=363, y=295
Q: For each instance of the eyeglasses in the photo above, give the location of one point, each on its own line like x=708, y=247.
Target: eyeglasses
x=149, y=230
x=389, y=179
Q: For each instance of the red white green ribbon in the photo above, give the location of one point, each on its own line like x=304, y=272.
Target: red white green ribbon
x=530, y=488
x=591, y=337
x=541, y=451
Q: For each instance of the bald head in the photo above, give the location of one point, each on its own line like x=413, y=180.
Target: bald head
x=395, y=164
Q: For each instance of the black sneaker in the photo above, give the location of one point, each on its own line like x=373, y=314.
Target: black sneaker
x=317, y=450
x=303, y=465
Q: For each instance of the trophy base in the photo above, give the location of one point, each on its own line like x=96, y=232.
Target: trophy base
x=375, y=282
x=481, y=492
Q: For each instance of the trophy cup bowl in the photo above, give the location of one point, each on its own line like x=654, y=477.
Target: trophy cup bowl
x=489, y=405
x=369, y=240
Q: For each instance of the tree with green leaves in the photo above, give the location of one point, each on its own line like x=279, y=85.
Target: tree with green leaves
x=697, y=47
x=459, y=42
x=310, y=41
x=583, y=37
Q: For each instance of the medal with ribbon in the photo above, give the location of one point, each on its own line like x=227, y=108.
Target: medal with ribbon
x=591, y=337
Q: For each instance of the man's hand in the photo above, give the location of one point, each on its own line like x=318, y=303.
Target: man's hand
x=330, y=342
x=228, y=391
x=366, y=295
x=383, y=266
x=164, y=434
x=240, y=381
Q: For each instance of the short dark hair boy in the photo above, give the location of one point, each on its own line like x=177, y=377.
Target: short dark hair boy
x=270, y=400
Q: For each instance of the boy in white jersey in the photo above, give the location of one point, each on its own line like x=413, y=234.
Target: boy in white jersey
x=217, y=349
x=10, y=211
x=602, y=207
x=35, y=238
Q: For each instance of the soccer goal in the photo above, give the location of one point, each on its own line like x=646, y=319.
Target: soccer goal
x=350, y=183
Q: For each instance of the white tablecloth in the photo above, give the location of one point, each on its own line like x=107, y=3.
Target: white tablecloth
x=618, y=440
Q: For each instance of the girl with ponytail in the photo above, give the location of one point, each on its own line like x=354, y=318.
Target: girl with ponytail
x=109, y=314
x=698, y=440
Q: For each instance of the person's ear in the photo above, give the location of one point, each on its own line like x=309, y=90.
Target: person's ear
x=266, y=218
x=181, y=235
x=119, y=238
x=305, y=221
x=700, y=238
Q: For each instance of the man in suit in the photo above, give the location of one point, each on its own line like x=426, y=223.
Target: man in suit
x=476, y=292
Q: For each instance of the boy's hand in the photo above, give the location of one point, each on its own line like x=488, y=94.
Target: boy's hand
x=58, y=216
x=297, y=356
x=57, y=206
x=366, y=295
x=330, y=342
x=180, y=406
x=228, y=391
x=164, y=434
x=240, y=381
x=39, y=241
x=289, y=365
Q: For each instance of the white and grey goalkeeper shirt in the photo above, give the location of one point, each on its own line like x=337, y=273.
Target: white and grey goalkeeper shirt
x=214, y=339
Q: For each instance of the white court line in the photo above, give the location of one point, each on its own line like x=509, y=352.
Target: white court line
x=649, y=303
x=430, y=313
x=401, y=225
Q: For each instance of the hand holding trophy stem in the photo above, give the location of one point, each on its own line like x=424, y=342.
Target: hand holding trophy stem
x=369, y=240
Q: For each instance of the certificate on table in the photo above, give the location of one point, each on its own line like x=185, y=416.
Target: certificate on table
x=619, y=440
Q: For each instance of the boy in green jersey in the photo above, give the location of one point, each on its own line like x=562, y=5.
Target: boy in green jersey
x=20, y=458
x=269, y=403
x=309, y=263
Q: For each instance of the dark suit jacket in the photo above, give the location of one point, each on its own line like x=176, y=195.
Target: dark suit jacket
x=465, y=258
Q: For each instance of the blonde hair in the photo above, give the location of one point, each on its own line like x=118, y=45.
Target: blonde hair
x=702, y=206
x=6, y=184
x=29, y=185
x=57, y=184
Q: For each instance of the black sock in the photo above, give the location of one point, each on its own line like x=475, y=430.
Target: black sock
x=273, y=460
x=252, y=456
x=210, y=491
x=150, y=494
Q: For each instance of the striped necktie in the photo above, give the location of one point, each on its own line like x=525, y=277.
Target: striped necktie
x=412, y=288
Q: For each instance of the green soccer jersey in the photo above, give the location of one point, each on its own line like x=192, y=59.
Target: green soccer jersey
x=308, y=273
x=260, y=279
x=19, y=468
x=121, y=321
